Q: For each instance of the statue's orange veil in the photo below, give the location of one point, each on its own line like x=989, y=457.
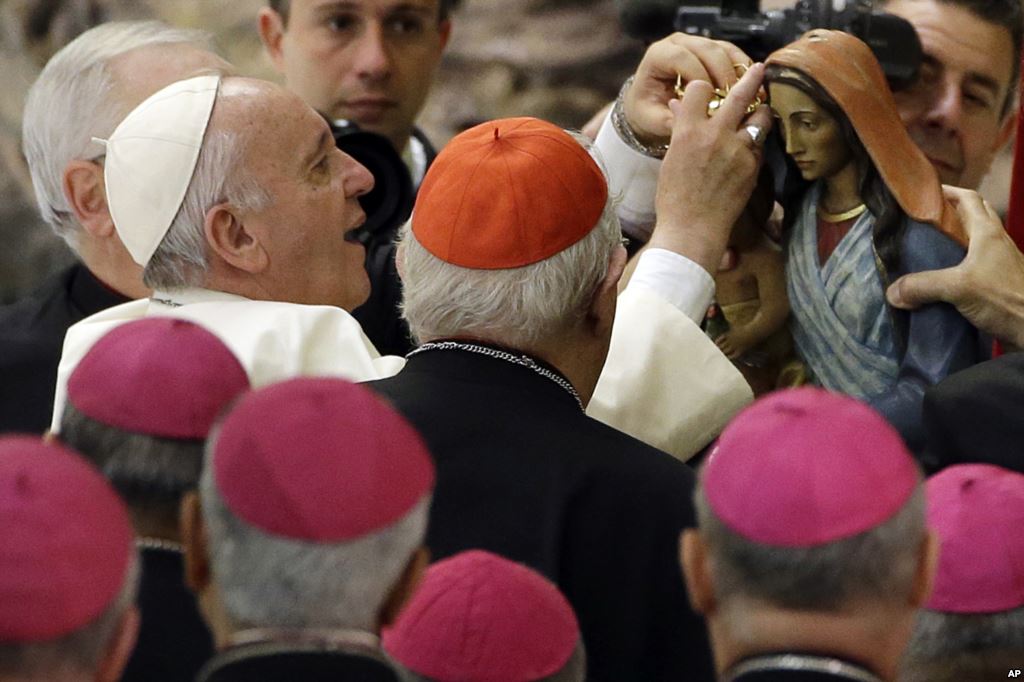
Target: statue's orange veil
x=847, y=70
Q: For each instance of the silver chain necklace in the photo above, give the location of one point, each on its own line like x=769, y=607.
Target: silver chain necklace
x=801, y=662
x=159, y=543
x=521, y=360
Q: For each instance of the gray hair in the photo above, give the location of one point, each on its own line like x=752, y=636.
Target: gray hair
x=519, y=306
x=78, y=653
x=574, y=670
x=150, y=473
x=878, y=565
x=180, y=260
x=74, y=99
x=964, y=647
x=270, y=581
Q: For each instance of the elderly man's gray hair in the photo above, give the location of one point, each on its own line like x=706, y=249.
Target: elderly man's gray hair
x=180, y=260
x=519, y=305
x=877, y=566
x=77, y=654
x=75, y=99
x=955, y=647
x=269, y=581
x=150, y=473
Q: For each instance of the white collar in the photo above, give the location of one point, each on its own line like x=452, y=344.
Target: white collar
x=180, y=297
x=415, y=157
x=325, y=638
x=801, y=662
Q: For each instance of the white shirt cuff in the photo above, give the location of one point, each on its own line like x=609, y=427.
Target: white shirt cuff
x=677, y=279
x=632, y=180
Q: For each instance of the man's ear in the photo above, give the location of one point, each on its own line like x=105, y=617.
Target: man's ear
x=1009, y=125
x=696, y=574
x=86, y=192
x=227, y=236
x=405, y=587
x=271, y=28
x=602, y=306
x=193, y=539
x=119, y=649
x=444, y=29
x=927, y=564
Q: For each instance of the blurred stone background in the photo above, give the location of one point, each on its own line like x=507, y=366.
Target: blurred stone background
x=560, y=60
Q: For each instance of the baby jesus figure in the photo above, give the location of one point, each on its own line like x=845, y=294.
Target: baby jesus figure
x=751, y=296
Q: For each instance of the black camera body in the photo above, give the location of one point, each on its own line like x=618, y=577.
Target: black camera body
x=390, y=202
x=741, y=22
x=891, y=38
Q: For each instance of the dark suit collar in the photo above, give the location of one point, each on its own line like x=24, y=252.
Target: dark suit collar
x=337, y=653
x=88, y=294
x=475, y=367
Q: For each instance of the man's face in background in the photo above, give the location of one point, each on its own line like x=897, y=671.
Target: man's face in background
x=957, y=110
x=369, y=61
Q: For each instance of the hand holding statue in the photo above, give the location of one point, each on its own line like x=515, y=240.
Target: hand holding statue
x=987, y=287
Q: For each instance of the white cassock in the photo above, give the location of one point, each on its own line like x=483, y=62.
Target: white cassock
x=664, y=382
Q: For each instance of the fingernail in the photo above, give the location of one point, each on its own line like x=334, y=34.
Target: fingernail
x=892, y=294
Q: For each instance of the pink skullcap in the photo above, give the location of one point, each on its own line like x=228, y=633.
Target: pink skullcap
x=479, y=617
x=65, y=541
x=977, y=510
x=321, y=460
x=807, y=467
x=158, y=376
x=508, y=193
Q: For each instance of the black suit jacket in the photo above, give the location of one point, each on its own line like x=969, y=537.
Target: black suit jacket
x=522, y=472
x=975, y=416
x=173, y=642
x=31, y=339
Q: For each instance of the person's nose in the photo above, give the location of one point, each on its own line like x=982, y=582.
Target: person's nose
x=793, y=145
x=356, y=179
x=946, y=109
x=372, y=60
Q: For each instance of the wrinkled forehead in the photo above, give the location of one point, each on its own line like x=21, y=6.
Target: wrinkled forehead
x=278, y=128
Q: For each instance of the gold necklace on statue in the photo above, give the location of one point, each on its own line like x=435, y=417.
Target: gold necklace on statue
x=840, y=217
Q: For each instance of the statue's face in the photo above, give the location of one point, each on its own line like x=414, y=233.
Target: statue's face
x=813, y=137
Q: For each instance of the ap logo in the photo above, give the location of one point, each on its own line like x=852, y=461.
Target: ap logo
x=1014, y=673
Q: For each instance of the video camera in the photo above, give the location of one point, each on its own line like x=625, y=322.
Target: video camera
x=390, y=202
x=741, y=22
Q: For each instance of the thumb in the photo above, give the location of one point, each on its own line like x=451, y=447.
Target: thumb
x=916, y=289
